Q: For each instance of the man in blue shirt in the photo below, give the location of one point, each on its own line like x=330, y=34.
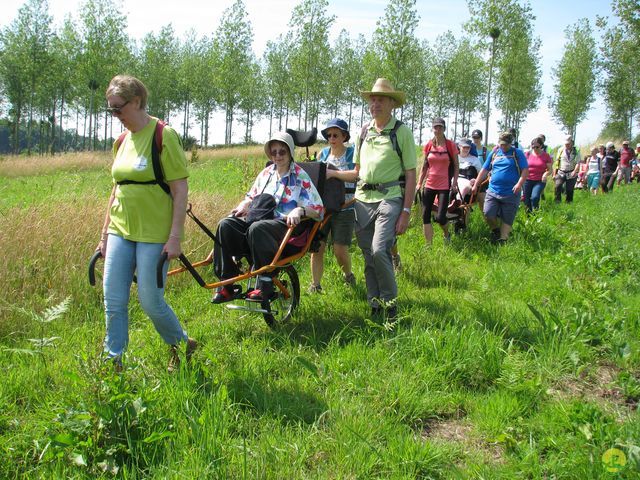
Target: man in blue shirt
x=509, y=170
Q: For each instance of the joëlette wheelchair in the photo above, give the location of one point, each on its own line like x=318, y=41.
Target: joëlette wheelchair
x=279, y=308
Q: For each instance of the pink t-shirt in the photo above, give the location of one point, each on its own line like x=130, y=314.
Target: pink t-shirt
x=626, y=155
x=538, y=165
x=438, y=168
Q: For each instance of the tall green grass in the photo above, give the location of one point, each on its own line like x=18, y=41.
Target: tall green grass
x=519, y=361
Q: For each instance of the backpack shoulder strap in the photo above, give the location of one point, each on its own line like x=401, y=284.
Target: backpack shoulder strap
x=156, y=151
x=393, y=135
x=515, y=161
x=427, y=150
x=120, y=139
x=349, y=153
x=363, y=135
x=323, y=155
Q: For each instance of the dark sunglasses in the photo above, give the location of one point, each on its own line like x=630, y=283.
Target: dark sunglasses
x=281, y=152
x=117, y=110
x=334, y=135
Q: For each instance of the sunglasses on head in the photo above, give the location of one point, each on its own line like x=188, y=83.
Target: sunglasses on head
x=117, y=110
x=279, y=152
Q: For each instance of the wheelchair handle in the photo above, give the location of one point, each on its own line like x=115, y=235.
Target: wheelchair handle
x=163, y=258
x=185, y=262
x=92, y=267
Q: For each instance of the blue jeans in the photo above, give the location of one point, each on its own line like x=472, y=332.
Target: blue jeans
x=123, y=258
x=532, y=192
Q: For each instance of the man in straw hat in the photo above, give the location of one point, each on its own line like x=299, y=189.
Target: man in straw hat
x=386, y=161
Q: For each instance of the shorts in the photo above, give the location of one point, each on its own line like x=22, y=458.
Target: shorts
x=340, y=226
x=503, y=207
x=593, y=180
x=624, y=173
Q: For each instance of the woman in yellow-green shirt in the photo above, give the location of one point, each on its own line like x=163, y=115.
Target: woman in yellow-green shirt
x=143, y=219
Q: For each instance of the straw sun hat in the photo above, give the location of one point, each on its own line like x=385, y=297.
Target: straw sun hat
x=384, y=88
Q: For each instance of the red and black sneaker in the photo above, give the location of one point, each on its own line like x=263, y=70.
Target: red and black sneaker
x=265, y=292
x=226, y=294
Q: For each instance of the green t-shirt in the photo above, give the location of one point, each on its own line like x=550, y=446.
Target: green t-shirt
x=380, y=163
x=143, y=213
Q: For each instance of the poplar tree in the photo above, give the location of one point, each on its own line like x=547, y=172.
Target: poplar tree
x=310, y=58
x=104, y=50
x=233, y=40
x=621, y=51
x=25, y=62
x=517, y=70
x=158, y=69
x=394, y=44
x=278, y=80
x=205, y=89
x=575, y=77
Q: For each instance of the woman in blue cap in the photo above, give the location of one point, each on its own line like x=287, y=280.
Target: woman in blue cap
x=341, y=224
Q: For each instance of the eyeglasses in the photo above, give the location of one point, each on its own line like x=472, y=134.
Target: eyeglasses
x=117, y=110
x=281, y=152
x=334, y=135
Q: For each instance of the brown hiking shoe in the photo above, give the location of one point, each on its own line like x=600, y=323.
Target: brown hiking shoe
x=350, y=279
x=397, y=263
x=174, y=359
x=174, y=356
x=192, y=346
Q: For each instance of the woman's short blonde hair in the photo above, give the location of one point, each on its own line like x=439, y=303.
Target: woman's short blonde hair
x=128, y=87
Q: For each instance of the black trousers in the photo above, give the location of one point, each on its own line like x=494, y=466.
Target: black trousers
x=569, y=184
x=428, y=199
x=259, y=242
x=607, y=183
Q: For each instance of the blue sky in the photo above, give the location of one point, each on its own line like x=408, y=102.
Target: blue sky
x=269, y=18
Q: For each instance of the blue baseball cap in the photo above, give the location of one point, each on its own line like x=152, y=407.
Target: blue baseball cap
x=339, y=124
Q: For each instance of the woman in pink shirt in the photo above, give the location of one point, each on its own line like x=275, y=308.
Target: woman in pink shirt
x=438, y=177
x=540, y=164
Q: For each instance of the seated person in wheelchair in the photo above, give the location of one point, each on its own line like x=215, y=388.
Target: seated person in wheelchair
x=469, y=166
x=240, y=235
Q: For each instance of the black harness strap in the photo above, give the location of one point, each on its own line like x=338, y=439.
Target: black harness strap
x=156, y=150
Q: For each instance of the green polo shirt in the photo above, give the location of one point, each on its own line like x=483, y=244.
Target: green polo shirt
x=379, y=162
x=143, y=213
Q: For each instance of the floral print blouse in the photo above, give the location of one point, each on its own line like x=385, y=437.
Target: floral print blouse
x=295, y=189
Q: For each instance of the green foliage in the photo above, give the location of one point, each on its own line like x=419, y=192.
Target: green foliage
x=493, y=369
x=517, y=55
x=309, y=25
x=620, y=49
x=575, y=77
x=233, y=41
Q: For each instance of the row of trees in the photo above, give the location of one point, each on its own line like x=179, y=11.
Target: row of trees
x=583, y=71
x=53, y=77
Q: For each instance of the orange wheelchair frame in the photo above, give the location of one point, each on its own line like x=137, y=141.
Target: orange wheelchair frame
x=275, y=310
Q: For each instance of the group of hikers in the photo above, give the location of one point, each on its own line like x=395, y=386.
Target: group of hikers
x=146, y=210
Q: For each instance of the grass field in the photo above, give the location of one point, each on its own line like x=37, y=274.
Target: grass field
x=521, y=361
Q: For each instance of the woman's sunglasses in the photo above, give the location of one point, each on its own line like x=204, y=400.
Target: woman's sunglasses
x=117, y=110
x=281, y=152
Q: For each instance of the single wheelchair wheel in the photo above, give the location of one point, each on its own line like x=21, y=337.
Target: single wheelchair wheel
x=286, y=286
